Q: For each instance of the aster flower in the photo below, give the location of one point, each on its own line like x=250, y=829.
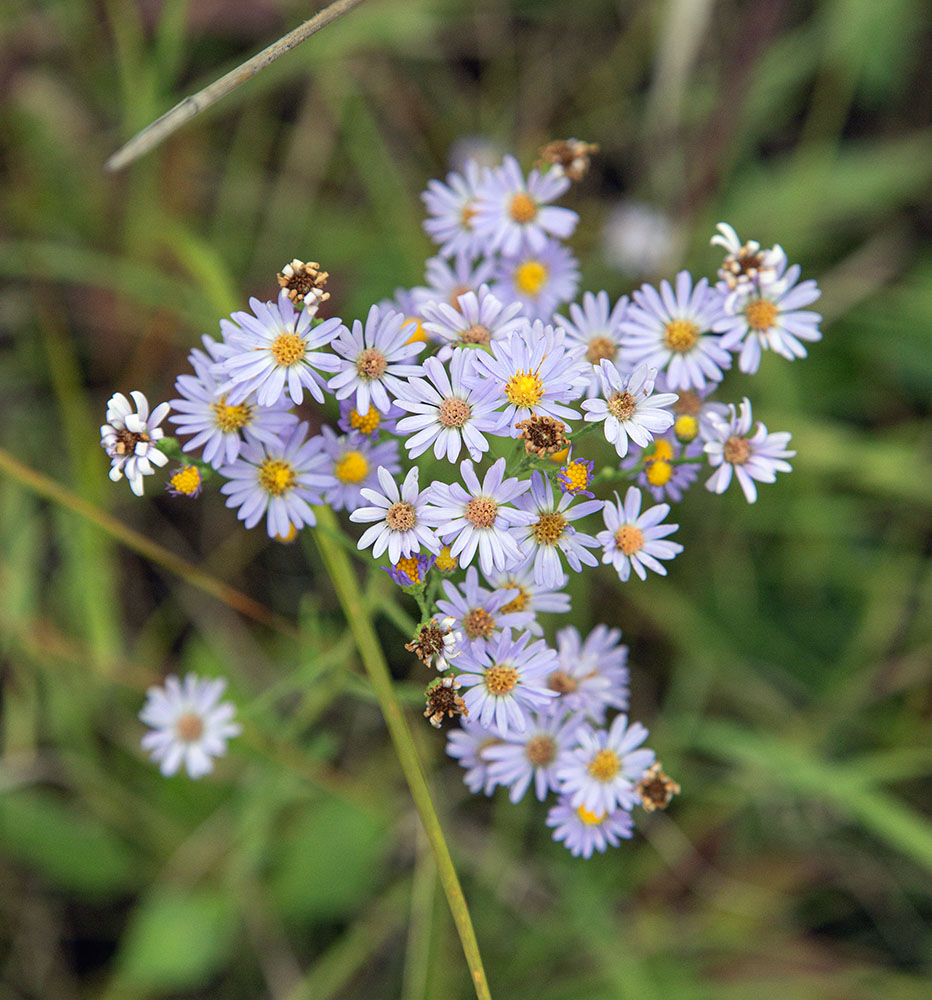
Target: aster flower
x=451, y=209
x=511, y=213
x=219, y=426
x=771, y=317
x=757, y=456
x=530, y=596
x=602, y=771
x=129, y=437
x=505, y=680
x=659, y=475
x=532, y=755
x=551, y=531
x=633, y=539
x=468, y=744
x=535, y=374
x=443, y=701
x=437, y=643
x=639, y=239
x=410, y=570
x=583, y=831
x=399, y=515
x=540, y=279
x=276, y=352
x=628, y=410
x=591, y=675
x=446, y=413
x=371, y=362
x=185, y=481
x=478, y=319
x=372, y=424
x=479, y=613
x=353, y=460
x=746, y=265
x=670, y=330
x=188, y=724
x=279, y=480
x=575, y=476
x=597, y=326
x=447, y=281
x=479, y=517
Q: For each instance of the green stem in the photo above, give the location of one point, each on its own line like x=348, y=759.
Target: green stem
x=348, y=593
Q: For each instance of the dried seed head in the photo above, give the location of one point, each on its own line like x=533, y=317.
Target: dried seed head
x=443, y=701
x=435, y=643
x=304, y=281
x=655, y=789
x=543, y=436
x=572, y=156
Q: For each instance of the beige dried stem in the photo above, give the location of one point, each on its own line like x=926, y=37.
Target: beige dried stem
x=185, y=110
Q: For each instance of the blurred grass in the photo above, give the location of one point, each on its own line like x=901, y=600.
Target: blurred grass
x=783, y=667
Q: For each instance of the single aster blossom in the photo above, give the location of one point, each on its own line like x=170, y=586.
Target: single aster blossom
x=591, y=675
x=663, y=478
x=530, y=596
x=671, y=330
x=633, y=539
x=185, y=481
x=505, y=680
x=372, y=360
x=535, y=374
x=353, y=460
x=541, y=280
x=451, y=208
x=480, y=517
x=189, y=724
x=479, y=613
x=771, y=318
x=552, y=532
x=129, y=437
x=583, y=831
x=436, y=643
x=277, y=352
x=218, y=426
x=468, y=744
x=758, y=456
x=746, y=265
x=511, y=213
x=446, y=414
x=601, y=773
x=280, y=481
x=596, y=324
x=629, y=407
x=371, y=424
x=532, y=755
x=478, y=318
x=399, y=525
x=410, y=570
x=575, y=477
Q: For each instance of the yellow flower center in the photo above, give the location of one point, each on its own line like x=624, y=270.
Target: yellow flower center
x=629, y=539
x=501, y=679
x=531, y=276
x=445, y=562
x=686, y=428
x=454, y=412
x=189, y=727
x=524, y=389
x=737, y=450
x=622, y=405
x=409, y=566
x=467, y=214
x=519, y=601
x=287, y=349
x=662, y=451
x=478, y=624
x=599, y=348
x=368, y=424
x=549, y=528
x=231, y=418
x=418, y=334
x=523, y=208
x=681, y=335
x=276, y=476
x=604, y=765
x=352, y=467
x=577, y=475
x=290, y=535
x=541, y=750
x=186, y=480
x=760, y=314
x=589, y=818
x=561, y=456
x=659, y=472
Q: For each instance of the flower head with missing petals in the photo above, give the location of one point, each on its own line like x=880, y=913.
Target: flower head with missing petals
x=400, y=526
x=129, y=437
x=633, y=539
x=189, y=726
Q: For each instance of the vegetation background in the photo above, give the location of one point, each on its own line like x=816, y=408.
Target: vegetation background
x=783, y=667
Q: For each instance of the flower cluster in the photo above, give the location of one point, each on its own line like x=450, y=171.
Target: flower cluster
x=471, y=425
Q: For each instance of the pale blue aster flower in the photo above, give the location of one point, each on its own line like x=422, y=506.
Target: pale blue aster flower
x=279, y=480
x=190, y=725
x=480, y=517
x=532, y=755
x=591, y=675
x=552, y=532
x=629, y=407
x=541, y=279
x=353, y=460
x=408, y=572
x=596, y=324
x=372, y=424
x=479, y=613
x=670, y=330
x=399, y=515
x=659, y=475
x=758, y=456
x=130, y=438
x=506, y=680
x=451, y=207
x=372, y=360
x=467, y=744
x=600, y=773
x=583, y=832
x=478, y=318
x=530, y=596
x=446, y=412
x=447, y=281
x=635, y=540
x=511, y=213
x=276, y=352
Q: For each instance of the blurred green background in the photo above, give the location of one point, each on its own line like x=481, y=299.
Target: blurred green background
x=783, y=667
